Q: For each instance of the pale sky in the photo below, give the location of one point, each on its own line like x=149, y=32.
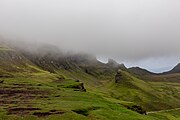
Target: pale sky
x=137, y=32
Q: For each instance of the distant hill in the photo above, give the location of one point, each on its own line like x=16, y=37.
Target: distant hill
x=140, y=71
x=176, y=69
x=170, y=76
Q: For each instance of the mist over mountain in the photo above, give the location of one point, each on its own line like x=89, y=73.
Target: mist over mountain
x=89, y=59
x=52, y=83
x=127, y=31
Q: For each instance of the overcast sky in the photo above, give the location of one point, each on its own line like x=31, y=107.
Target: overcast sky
x=137, y=32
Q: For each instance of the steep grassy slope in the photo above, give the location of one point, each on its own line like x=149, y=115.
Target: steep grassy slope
x=13, y=62
x=150, y=95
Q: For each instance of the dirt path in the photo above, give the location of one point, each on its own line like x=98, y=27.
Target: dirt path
x=163, y=110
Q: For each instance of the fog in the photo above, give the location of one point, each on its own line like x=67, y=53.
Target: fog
x=136, y=32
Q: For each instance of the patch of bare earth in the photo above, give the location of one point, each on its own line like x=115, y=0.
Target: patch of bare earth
x=51, y=112
x=21, y=111
x=20, y=95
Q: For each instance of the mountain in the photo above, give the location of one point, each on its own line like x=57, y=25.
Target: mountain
x=46, y=83
x=176, y=69
x=53, y=60
x=12, y=62
x=140, y=71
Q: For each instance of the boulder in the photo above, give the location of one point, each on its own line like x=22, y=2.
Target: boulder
x=80, y=87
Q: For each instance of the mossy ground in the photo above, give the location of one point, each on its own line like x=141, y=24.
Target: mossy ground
x=36, y=98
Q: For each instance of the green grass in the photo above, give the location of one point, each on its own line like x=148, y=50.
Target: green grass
x=75, y=104
x=54, y=96
x=167, y=115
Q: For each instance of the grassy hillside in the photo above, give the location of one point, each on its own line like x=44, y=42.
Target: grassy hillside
x=167, y=114
x=49, y=96
x=13, y=63
x=150, y=95
x=81, y=89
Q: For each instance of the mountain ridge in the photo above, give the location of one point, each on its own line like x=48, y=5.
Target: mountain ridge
x=80, y=86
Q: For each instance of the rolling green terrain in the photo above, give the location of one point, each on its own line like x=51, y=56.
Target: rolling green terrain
x=40, y=87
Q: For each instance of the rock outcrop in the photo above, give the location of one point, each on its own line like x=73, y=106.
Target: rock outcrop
x=80, y=87
x=118, y=76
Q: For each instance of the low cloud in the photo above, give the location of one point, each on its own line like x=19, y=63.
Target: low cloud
x=128, y=30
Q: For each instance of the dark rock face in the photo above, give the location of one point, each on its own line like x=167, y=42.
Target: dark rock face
x=118, y=76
